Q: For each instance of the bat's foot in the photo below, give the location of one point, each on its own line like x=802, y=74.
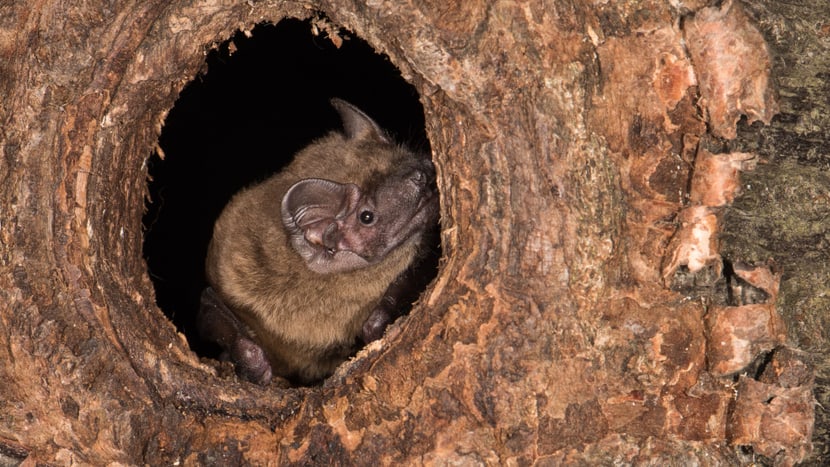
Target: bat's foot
x=251, y=361
x=376, y=324
x=218, y=324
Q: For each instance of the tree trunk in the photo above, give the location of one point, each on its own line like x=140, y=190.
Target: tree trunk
x=618, y=284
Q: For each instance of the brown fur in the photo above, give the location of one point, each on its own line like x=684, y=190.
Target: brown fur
x=306, y=322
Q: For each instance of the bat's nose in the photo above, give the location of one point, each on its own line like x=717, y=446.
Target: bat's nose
x=421, y=177
x=331, y=237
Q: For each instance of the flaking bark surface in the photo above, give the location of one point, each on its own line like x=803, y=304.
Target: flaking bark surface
x=566, y=137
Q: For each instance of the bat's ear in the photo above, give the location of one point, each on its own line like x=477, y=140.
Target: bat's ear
x=311, y=205
x=312, y=200
x=312, y=211
x=358, y=125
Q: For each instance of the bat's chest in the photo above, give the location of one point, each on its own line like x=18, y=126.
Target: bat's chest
x=329, y=317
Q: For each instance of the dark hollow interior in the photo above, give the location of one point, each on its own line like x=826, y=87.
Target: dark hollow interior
x=259, y=100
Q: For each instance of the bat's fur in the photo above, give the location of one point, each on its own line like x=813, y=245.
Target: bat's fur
x=307, y=322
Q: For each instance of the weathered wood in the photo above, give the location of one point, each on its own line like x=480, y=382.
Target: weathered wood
x=566, y=137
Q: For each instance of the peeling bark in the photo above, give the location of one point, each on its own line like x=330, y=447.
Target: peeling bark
x=572, y=140
x=733, y=62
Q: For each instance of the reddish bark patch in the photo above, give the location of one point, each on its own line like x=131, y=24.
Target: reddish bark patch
x=776, y=421
x=739, y=334
x=733, y=67
x=583, y=423
x=714, y=184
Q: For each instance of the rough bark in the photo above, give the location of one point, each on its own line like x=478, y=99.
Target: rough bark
x=571, y=320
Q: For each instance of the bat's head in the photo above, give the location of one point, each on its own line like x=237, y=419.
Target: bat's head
x=339, y=227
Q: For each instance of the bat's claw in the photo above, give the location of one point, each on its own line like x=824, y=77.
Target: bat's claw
x=251, y=361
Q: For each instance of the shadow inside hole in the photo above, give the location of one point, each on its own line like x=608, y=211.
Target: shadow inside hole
x=241, y=122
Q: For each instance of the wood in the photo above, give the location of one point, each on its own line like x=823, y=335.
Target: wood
x=566, y=325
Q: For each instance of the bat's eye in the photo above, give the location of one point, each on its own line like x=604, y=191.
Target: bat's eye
x=367, y=217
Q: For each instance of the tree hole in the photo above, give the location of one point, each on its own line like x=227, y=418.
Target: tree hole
x=262, y=97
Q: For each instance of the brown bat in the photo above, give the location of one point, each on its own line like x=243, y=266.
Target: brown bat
x=318, y=257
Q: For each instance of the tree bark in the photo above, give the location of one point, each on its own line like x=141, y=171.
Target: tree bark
x=604, y=254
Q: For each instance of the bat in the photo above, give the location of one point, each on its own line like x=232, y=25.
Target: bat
x=317, y=259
